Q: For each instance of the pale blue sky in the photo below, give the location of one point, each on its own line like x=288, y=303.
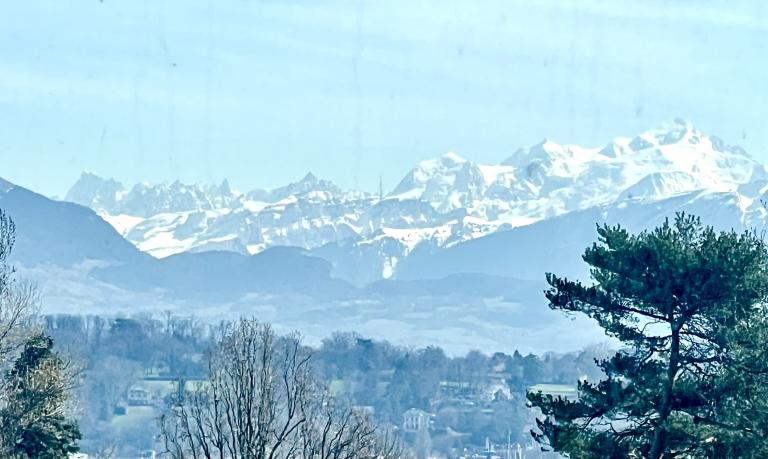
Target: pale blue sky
x=262, y=91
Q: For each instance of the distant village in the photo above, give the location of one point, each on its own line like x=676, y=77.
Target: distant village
x=442, y=407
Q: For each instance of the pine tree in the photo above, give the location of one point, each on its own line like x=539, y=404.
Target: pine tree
x=742, y=407
x=674, y=297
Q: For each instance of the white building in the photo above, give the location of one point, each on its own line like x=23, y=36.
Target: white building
x=138, y=396
x=416, y=420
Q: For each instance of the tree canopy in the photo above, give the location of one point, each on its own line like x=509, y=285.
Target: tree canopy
x=687, y=304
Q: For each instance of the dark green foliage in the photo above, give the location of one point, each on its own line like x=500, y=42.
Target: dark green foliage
x=674, y=297
x=34, y=423
x=55, y=439
x=742, y=408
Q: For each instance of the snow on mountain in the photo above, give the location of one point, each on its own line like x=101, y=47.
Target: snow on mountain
x=172, y=218
x=449, y=182
x=556, y=244
x=550, y=179
x=442, y=202
x=309, y=184
x=659, y=185
x=144, y=200
x=99, y=194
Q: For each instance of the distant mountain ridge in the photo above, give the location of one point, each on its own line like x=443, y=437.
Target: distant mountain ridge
x=61, y=233
x=83, y=266
x=52, y=236
x=440, y=203
x=144, y=200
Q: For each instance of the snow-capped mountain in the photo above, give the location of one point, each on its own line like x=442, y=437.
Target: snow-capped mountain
x=454, y=255
x=550, y=179
x=440, y=203
x=556, y=244
x=110, y=197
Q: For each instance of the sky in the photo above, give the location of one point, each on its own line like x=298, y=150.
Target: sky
x=262, y=91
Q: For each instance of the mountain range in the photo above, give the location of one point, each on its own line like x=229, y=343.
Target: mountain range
x=441, y=203
x=454, y=255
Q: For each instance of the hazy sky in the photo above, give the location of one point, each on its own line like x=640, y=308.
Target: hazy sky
x=262, y=91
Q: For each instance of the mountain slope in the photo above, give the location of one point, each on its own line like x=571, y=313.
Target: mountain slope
x=556, y=244
x=64, y=234
x=59, y=232
x=218, y=275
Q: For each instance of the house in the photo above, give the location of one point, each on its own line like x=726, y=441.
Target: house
x=416, y=420
x=139, y=396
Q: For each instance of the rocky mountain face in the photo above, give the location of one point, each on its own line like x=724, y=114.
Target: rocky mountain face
x=439, y=205
x=110, y=197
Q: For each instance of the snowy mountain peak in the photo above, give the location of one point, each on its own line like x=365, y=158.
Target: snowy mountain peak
x=680, y=133
x=225, y=189
x=309, y=183
x=431, y=167
x=309, y=178
x=448, y=182
x=676, y=133
x=144, y=199
x=96, y=192
x=452, y=158
x=547, y=151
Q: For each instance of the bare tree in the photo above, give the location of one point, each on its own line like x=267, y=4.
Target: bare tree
x=18, y=305
x=105, y=452
x=261, y=401
x=18, y=300
x=341, y=432
x=35, y=381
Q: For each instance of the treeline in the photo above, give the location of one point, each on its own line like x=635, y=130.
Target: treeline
x=387, y=380
x=470, y=398
x=116, y=353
